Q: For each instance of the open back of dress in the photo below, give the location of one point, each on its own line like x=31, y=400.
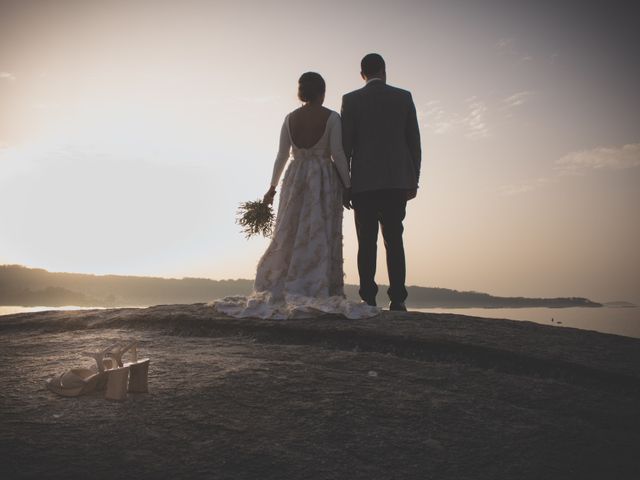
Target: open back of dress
x=301, y=272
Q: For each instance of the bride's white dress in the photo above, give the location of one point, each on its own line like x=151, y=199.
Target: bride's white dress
x=300, y=274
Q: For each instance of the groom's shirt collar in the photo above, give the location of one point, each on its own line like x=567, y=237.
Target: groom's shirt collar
x=374, y=79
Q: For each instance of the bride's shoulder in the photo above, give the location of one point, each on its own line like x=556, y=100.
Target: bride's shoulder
x=295, y=112
x=333, y=115
x=289, y=115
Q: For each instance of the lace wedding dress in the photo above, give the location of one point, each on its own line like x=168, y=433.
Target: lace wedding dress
x=300, y=274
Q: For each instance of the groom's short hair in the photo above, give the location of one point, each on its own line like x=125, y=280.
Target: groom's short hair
x=372, y=64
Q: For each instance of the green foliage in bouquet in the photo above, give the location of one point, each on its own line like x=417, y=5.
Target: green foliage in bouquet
x=255, y=218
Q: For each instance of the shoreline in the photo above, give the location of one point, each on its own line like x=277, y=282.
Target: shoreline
x=615, y=320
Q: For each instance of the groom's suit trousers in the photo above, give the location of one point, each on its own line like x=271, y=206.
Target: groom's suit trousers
x=386, y=208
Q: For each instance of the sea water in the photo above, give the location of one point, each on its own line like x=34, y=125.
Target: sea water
x=617, y=320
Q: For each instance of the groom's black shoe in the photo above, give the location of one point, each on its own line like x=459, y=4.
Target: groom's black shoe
x=370, y=302
x=397, y=307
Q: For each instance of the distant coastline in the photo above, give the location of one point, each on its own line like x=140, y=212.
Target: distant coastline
x=619, y=304
x=23, y=286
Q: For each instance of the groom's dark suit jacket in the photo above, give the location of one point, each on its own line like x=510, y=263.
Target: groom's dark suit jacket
x=381, y=138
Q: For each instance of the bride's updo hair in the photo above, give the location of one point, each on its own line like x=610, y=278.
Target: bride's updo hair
x=310, y=86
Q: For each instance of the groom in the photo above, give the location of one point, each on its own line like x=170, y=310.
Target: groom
x=382, y=142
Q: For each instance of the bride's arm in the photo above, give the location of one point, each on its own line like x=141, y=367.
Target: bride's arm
x=284, y=150
x=337, y=151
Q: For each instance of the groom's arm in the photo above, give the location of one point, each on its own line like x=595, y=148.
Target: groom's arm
x=348, y=128
x=413, y=137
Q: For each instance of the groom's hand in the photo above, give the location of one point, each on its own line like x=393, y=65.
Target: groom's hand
x=346, y=198
x=411, y=194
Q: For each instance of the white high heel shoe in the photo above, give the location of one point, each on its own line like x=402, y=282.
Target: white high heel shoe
x=138, y=368
x=116, y=388
x=81, y=381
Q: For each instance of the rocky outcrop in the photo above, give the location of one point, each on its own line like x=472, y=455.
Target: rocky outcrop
x=403, y=395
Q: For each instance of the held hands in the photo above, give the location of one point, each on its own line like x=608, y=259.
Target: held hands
x=268, y=197
x=411, y=194
x=346, y=198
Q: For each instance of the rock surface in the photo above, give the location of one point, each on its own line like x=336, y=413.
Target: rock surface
x=403, y=395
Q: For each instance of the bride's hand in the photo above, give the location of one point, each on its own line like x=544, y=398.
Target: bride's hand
x=346, y=199
x=268, y=197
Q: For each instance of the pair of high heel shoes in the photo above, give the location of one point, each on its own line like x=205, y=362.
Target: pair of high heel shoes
x=109, y=374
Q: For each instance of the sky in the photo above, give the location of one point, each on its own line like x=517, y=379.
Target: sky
x=131, y=130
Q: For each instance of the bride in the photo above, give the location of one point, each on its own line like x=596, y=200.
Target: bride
x=300, y=274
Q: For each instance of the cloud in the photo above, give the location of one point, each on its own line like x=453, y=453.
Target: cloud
x=524, y=187
x=580, y=163
x=506, y=45
x=602, y=158
x=471, y=123
x=7, y=76
x=517, y=99
x=436, y=119
x=475, y=121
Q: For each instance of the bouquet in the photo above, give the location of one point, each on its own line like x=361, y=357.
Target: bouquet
x=255, y=218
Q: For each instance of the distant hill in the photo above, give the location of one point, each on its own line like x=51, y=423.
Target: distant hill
x=37, y=287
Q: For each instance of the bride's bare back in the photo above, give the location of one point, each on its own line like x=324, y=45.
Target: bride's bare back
x=307, y=125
